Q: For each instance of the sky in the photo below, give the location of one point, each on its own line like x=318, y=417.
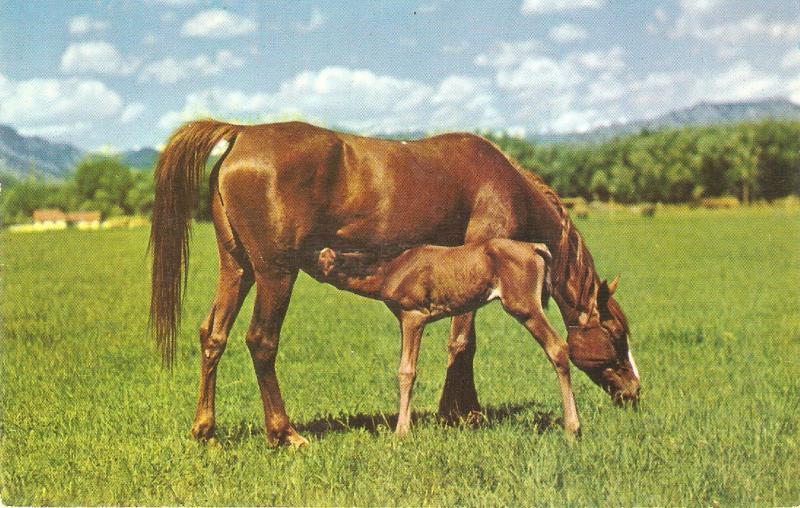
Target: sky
x=124, y=74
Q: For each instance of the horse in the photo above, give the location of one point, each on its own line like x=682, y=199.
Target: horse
x=282, y=190
x=428, y=283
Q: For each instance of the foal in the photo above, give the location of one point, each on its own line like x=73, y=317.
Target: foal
x=428, y=283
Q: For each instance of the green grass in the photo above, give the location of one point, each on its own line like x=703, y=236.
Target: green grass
x=89, y=418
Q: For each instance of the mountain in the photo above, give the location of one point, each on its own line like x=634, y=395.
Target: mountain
x=21, y=155
x=703, y=113
x=143, y=158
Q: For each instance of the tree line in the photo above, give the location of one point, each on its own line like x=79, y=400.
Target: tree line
x=751, y=161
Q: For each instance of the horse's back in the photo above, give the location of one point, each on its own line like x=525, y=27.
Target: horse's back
x=307, y=184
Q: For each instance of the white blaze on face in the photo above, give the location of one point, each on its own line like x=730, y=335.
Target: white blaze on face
x=633, y=364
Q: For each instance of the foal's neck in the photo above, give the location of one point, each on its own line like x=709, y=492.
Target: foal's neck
x=368, y=285
x=363, y=278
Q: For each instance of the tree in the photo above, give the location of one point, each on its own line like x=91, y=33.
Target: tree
x=103, y=182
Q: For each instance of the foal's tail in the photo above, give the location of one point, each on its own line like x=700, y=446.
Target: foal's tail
x=177, y=176
x=547, y=287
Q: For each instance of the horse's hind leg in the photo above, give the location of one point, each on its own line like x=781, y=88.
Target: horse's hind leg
x=235, y=280
x=273, y=290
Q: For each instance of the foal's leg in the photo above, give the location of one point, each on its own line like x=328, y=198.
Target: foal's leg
x=558, y=353
x=234, y=283
x=412, y=326
x=274, y=288
x=522, y=290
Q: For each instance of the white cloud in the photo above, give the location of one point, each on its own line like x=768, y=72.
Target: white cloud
x=740, y=82
x=577, y=121
x=218, y=24
x=173, y=3
x=96, y=56
x=356, y=99
x=314, y=23
x=427, y=8
x=170, y=70
x=546, y=6
x=37, y=102
x=717, y=25
x=131, y=112
x=149, y=40
x=567, y=32
x=791, y=58
x=541, y=75
x=506, y=54
x=454, y=49
x=83, y=24
x=735, y=32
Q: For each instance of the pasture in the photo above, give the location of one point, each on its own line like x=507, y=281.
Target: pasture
x=88, y=416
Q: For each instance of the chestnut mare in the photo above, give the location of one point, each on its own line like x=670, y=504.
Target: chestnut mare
x=283, y=190
x=428, y=283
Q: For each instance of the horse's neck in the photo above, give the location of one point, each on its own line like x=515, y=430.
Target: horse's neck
x=575, y=281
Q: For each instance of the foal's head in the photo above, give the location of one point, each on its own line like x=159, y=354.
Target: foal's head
x=600, y=348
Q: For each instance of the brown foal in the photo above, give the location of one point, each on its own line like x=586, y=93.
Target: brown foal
x=428, y=283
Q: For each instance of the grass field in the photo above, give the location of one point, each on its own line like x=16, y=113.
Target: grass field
x=89, y=418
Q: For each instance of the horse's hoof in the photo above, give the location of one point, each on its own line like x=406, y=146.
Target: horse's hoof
x=473, y=418
x=402, y=431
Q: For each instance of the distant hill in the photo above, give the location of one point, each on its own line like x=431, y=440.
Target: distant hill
x=701, y=114
x=143, y=158
x=19, y=155
x=23, y=155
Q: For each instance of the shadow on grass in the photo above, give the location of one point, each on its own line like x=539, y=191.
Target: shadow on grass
x=490, y=417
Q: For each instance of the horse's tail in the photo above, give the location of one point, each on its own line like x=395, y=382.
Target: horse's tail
x=177, y=176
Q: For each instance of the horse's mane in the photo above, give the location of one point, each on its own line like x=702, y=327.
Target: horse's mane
x=574, y=277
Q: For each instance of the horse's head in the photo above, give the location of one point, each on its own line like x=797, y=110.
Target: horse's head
x=599, y=347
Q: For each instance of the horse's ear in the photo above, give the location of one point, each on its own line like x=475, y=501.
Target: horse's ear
x=613, y=286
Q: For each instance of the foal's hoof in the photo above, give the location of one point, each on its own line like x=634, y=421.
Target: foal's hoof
x=203, y=430
x=295, y=440
x=402, y=431
x=572, y=433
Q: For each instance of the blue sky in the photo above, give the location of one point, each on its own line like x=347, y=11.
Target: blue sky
x=123, y=74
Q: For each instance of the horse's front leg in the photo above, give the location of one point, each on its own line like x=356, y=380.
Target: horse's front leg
x=273, y=290
x=412, y=325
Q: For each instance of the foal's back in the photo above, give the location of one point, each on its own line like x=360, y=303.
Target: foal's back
x=444, y=280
